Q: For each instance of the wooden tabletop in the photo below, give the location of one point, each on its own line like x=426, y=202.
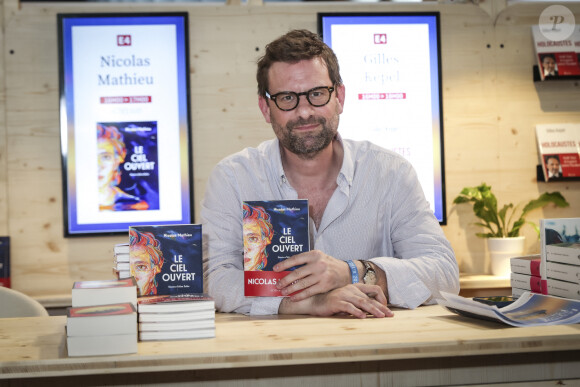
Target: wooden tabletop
x=32, y=347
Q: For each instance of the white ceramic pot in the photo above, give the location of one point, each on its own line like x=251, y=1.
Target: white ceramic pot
x=501, y=250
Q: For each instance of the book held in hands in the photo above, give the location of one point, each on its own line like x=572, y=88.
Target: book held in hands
x=273, y=231
x=166, y=259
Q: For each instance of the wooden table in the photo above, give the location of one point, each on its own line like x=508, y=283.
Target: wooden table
x=426, y=346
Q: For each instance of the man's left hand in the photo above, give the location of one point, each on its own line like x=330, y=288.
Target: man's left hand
x=320, y=273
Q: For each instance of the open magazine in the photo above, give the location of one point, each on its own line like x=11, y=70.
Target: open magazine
x=530, y=309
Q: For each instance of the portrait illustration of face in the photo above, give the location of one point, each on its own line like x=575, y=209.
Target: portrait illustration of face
x=111, y=154
x=108, y=164
x=146, y=261
x=257, y=234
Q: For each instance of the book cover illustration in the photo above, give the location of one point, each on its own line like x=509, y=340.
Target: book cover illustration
x=166, y=259
x=128, y=170
x=5, y=261
x=559, y=150
x=272, y=231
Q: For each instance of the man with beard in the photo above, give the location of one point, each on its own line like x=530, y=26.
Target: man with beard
x=373, y=236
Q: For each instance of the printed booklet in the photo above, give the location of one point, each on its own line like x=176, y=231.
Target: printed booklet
x=530, y=309
x=272, y=231
x=166, y=259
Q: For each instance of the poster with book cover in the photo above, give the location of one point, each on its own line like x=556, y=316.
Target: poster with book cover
x=559, y=150
x=166, y=259
x=556, y=58
x=272, y=231
x=133, y=185
x=556, y=233
x=124, y=121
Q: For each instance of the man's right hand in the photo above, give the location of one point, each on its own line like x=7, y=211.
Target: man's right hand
x=354, y=299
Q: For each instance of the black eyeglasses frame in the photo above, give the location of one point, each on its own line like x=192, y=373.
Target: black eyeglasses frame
x=306, y=93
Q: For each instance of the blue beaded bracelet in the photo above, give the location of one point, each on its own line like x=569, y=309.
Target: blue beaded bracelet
x=353, y=271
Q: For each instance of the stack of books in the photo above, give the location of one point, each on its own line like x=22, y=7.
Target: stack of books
x=101, y=330
x=525, y=275
x=121, y=264
x=179, y=317
x=103, y=318
x=561, y=257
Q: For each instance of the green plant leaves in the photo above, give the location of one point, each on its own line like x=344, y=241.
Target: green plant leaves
x=500, y=223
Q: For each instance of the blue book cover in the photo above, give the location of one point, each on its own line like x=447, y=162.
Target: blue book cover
x=273, y=230
x=128, y=167
x=166, y=259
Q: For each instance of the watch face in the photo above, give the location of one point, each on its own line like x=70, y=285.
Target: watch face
x=370, y=277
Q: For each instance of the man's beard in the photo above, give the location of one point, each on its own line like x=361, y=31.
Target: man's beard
x=307, y=145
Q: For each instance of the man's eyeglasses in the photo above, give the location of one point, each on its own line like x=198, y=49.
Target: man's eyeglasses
x=288, y=100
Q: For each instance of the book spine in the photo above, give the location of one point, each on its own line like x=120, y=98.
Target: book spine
x=564, y=272
x=526, y=266
x=527, y=282
x=543, y=274
x=563, y=289
x=561, y=254
x=5, y=261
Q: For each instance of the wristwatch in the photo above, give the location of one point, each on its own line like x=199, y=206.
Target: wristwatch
x=370, y=277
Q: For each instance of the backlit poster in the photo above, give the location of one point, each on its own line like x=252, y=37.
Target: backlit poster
x=390, y=66
x=125, y=127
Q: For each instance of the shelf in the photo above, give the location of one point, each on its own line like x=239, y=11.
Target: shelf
x=538, y=79
x=540, y=176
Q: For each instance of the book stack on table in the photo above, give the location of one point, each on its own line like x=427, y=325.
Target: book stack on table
x=121, y=264
x=563, y=270
x=103, y=318
x=176, y=317
x=525, y=274
x=560, y=241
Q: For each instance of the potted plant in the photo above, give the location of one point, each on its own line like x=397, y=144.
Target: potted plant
x=503, y=225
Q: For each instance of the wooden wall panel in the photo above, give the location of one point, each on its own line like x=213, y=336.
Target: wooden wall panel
x=490, y=108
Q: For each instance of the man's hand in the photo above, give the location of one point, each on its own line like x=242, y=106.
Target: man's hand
x=355, y=299
x=321, y=273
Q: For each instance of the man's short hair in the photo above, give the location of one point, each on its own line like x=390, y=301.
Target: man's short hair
x=293, y=47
